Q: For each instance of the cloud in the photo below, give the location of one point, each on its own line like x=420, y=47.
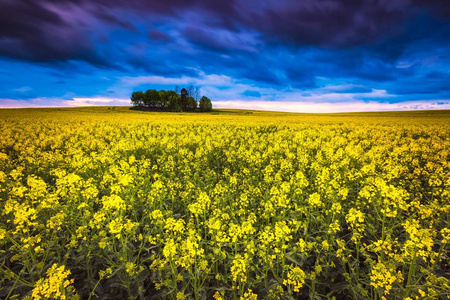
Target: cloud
x=324, y=23
x=157, y=35
x=60, y=30
x=440, y=8
x=346, y=88
x=61, y=102
x=221, y=40
x=283, y=106
x=32, y=30
x=332, y=107
x=203, y=79
x=35, y=102
x=23, y=89
x=96, y=101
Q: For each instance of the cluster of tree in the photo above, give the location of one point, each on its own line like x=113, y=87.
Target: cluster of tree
x=185, y=100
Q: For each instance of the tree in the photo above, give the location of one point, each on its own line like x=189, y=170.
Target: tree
x=191, y=104
x=191, y=91
x=137, y=98
x=147, y=98
x=205, y=104
x=197, y=93
x=151, y=98
x=163, y=99
x=184, y=99
x=170, y=100
x=174, y=101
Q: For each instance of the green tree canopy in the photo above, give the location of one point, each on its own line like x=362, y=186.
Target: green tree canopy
x=205, y=104
x=171, y=100
x=191, y=104
x=152, y=98
x=137, y=98
x=174, y=101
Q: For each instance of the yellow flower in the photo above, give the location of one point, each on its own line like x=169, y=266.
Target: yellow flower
x=239, y=269
x=56, y=284
x=325, y=245
x=56, y=221
x=334, y=227
x=176, y=226
x=116, y=227
x=354, y=217
x=445, y=232
x=130, y=268
x=295, y=278
x=201, y=205
x=422, y=293
x=190, y=252
x=180, y=296
x=383, y=277
x=302, y=245
x=113, y=202
x=156, y=214
x=420, y=240
x=249, y=295
x=170, y=249
x=314, y=200
x=218, y=296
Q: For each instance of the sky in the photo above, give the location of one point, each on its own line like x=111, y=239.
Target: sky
x=285, y=55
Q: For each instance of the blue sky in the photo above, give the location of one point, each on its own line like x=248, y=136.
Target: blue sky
x=306, y=56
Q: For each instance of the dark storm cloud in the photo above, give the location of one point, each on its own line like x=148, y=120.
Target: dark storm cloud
x=300, y=78
x=340, y=23
x=431, y=83
x=271, y=43
x=325, y=23
x=111, y=19
x=205, y=39
x=31, y=31
x=39, y=30
x=157, y=35
x=440, y=8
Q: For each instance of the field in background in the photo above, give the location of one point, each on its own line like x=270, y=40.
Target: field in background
x=111, y=203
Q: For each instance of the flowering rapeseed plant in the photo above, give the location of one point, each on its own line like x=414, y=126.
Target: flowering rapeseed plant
x=223, y=205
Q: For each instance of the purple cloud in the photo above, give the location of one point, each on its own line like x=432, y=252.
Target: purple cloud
x=60, y=30
x=157, y=35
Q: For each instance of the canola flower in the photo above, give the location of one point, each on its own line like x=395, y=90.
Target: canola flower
x=255, y=205
x=239, y=269
x=383, y=277
x=295, y=278
x=55, y=285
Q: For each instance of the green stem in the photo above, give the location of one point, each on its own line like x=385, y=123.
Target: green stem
x=313, y=283
x=14, y=285
x=93, y=290
x=412, y=268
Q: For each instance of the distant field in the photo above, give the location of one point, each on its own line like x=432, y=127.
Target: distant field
x=112, y=203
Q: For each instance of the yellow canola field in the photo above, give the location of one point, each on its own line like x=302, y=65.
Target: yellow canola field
x=111, y=203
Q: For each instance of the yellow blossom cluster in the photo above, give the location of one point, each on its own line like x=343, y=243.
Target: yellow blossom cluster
x=295, y=278
x=384, y=277
x=239, y=269
x=55, y=285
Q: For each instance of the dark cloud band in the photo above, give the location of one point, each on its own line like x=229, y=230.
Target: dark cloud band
x=274, y=42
